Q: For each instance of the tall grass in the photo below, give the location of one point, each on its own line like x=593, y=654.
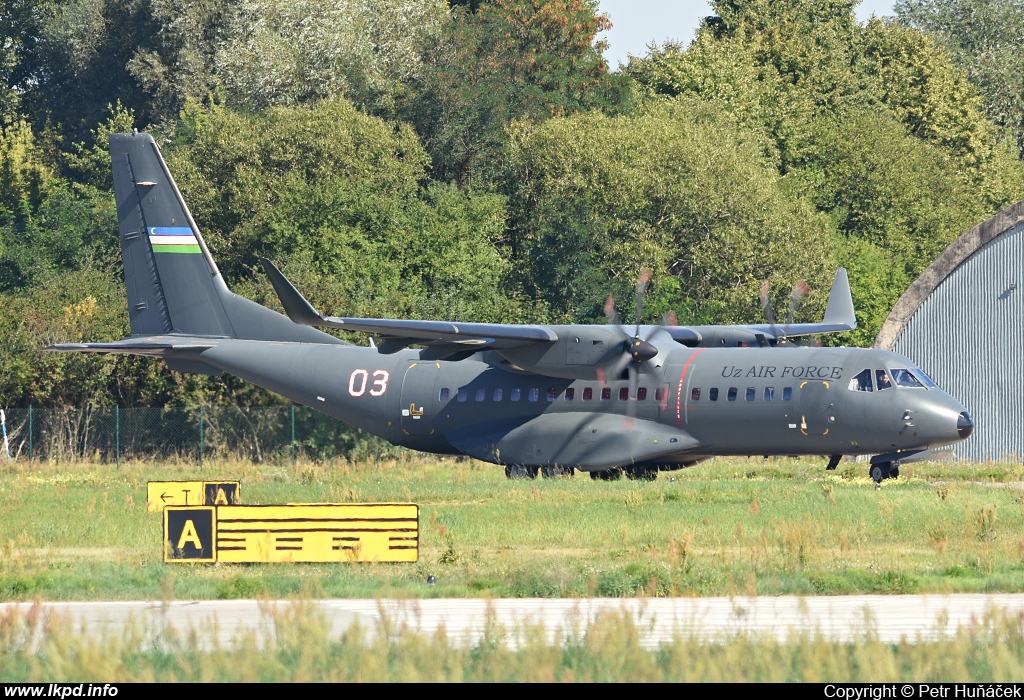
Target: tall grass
x=298, y=647
x=730, y=526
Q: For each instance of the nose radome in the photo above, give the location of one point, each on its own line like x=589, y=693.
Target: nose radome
x=964, y=425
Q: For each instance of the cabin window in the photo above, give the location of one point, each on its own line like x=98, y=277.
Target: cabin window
x=570, y=393
x=787, y=394
x=750, y=393
x=552, y=394
x=713, y=393
x=903, y=377
x=481, y=394
x=660, y=393
x=445, y=393
x=694, y=394
x=882, y=380
x=463, y=394
x=769, y=393
x=732, y=393
x=534, y=394
x=862, y=382
x=624, y=394
x=606, y=394
x=497, y=394
x=641, y=394
x=588, y=394
x=516, y=393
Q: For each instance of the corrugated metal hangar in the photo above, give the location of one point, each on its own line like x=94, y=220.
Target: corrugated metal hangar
x=962, y=322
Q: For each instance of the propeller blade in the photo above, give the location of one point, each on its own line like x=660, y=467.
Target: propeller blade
x=641, y=290
x=616, y=371
x=609, y=311
x=631, y=405
x=670, y=319
x=766, y=302
x=800, y=290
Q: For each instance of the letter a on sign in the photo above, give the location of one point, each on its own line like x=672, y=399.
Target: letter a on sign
x=190, y=533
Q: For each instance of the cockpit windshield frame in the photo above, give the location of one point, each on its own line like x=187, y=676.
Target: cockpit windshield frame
x=923, y=378
x=904, y=378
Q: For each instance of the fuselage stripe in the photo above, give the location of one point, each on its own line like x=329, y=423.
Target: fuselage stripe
x=679, y=392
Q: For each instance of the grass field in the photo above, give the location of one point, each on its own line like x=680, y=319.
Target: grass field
x=81, y=531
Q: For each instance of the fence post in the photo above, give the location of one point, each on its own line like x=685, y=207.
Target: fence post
x=117, y=435
x=30, y=435
x=200, y=436
x=295, y=457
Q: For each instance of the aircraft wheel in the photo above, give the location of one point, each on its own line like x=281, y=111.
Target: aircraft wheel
x=894, y=472
x=642, y=473
x=607, y=475
x=519, y=471
x=881, y=471
x=556, y=472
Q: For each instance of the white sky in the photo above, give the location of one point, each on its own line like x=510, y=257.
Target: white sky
x=639, y=22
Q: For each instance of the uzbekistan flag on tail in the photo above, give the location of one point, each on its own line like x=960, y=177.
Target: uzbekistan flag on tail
x=173, y=239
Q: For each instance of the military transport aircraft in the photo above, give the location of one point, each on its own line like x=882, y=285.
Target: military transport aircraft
x=599, y=398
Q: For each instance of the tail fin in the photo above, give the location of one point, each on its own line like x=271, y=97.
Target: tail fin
x=174, y=286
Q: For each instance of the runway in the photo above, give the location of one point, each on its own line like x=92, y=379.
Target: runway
x=658, y=620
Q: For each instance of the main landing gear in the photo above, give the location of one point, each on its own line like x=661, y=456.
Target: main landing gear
x=636, y=473
x=883, y=470
x=518, y=471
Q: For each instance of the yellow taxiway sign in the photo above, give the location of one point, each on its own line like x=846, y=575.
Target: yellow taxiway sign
x=382, y=532
x=161, y=494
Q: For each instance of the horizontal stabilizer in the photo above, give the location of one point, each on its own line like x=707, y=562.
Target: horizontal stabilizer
x=150, y=347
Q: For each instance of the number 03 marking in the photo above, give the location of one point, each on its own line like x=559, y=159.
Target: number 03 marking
x=358, y=379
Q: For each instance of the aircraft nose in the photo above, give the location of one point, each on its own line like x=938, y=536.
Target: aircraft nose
x=964, y=425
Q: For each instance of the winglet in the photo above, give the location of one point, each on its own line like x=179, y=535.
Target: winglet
x=840, y=302
x=295, y=305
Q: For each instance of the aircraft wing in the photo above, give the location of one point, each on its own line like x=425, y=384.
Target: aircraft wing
x=839, y=316
x=403, y=332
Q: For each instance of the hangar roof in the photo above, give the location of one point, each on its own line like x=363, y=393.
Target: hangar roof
x=951, y=258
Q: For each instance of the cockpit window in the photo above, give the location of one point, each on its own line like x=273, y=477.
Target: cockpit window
x=882, y=379
x=903, y=377
x=862, y=382
x=925, y=379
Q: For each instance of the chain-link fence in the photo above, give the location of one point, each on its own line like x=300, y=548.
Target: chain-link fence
x=260, y=434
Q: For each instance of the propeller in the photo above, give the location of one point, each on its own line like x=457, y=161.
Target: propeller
x=636, y=350
x=800, y=290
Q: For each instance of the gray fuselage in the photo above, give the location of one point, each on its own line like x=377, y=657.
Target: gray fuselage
x=708, y=401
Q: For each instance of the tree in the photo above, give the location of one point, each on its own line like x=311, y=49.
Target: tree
x=983, y=37
x=872, y=125
x=21, y=26
x=509, y=59
x=341, y=199
x=679, y=189
x=290, y=52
